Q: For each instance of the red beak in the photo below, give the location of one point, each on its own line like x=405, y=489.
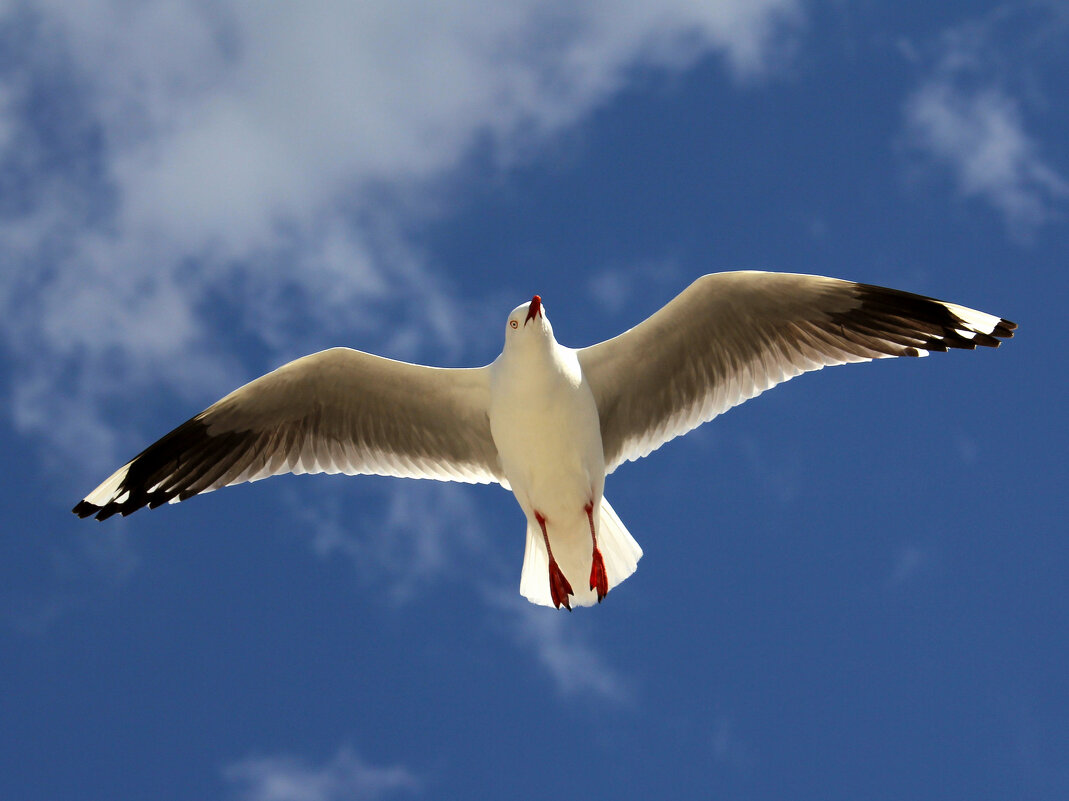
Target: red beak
x=536, y=308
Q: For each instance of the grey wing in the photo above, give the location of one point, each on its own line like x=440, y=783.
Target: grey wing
x=731, y=336
x=337, y=411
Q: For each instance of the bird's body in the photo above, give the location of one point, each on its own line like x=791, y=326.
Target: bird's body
x=545, y=425
x=547, y=421
x=544, y=422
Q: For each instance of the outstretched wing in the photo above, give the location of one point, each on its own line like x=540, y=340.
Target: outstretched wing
x=731, y=336
x=337, y=411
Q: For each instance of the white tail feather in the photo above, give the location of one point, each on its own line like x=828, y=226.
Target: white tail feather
x=572, y=549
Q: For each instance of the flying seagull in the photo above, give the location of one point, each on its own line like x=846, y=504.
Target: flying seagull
x=546, y=421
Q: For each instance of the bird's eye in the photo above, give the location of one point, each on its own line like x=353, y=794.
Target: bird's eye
x=514, y=324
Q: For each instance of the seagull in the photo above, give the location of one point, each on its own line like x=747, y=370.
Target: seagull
x=546, y=421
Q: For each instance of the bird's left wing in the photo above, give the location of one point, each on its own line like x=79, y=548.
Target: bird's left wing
x=731, y=336
x=337, y=411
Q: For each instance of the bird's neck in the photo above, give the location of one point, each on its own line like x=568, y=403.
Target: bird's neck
x=537, y=363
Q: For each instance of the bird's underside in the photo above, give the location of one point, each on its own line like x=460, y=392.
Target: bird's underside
x=726, y=338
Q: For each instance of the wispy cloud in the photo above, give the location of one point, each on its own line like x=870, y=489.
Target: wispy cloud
x=345, y=777
x=613, y=288
x=428, y=535
x=411, y=537
x=180, y=184
x=980, y=135
x=192, y=194
x=560, y=643
x=967, y=117
x=910, y=562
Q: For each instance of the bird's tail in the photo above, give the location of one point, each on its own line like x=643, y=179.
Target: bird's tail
x=572, y=550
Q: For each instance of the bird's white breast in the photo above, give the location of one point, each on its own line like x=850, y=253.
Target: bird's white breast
x=545, y=425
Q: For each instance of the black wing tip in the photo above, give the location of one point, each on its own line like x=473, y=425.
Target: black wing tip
x=85, y=509
x=935, y=320
x=1004, y=330
x=135, y=501
x=157, y=464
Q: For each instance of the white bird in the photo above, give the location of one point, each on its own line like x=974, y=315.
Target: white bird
x=546, y=421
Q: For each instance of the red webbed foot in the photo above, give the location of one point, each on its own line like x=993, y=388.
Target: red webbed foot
x=598, y=579
x=559, y=588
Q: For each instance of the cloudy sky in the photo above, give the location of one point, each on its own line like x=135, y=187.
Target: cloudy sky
x=853, y=586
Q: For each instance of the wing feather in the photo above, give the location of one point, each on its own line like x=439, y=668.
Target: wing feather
x=731, y=336
x=339, y=410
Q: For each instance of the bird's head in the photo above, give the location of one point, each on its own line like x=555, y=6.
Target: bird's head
x=528, y=323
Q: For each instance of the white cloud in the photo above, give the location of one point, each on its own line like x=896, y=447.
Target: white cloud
x=980, y=136
x=965, y=118
x=192, y=193
x=273, y=148
x=559, y=642
x=407, y=538
x=346, y=777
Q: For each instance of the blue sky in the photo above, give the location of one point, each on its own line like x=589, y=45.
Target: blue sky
x=854, y=586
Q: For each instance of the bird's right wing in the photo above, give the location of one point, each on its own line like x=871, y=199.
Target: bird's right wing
x=731, y=336
x=337, y=411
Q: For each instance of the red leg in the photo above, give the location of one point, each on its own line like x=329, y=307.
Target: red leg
x=598, y=579
x=559, y=588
